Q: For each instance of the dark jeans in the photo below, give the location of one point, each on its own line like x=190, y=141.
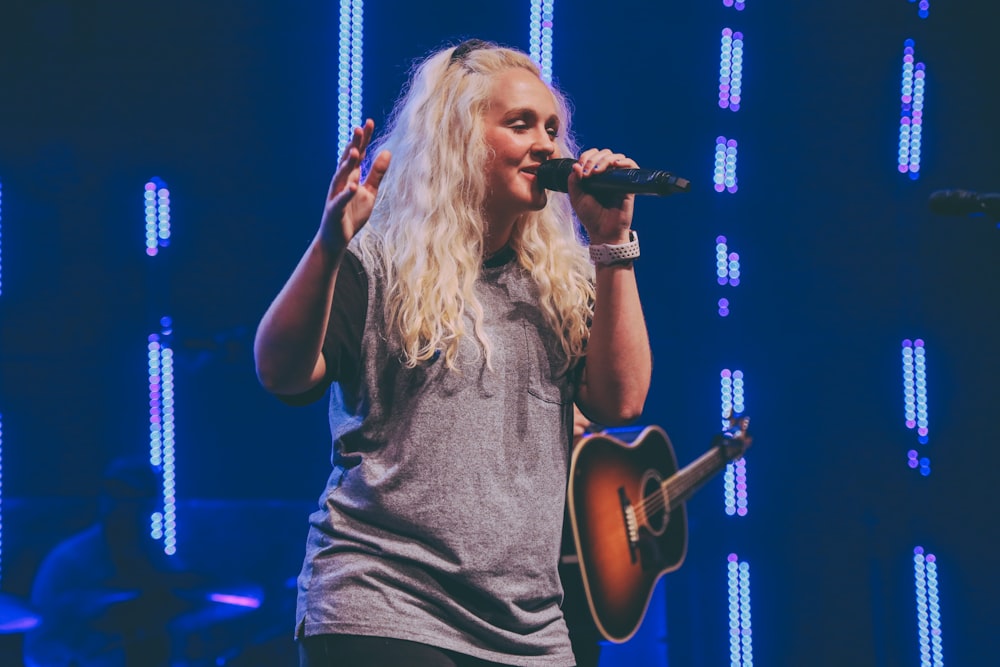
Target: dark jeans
x=361, y=651
x=583, y=632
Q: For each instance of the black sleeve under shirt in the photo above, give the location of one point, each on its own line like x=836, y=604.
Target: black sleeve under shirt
x=342, y=346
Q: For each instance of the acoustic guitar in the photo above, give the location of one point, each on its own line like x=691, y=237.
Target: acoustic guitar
x=626, y=507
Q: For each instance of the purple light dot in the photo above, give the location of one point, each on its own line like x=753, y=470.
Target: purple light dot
x=735, y=106
x=910, y=423
x=918, y=551
x=912, y=463
x=742, y=511
x=720, y=239
x=734, y=282
x=931, y=558
x=733, y=558
x=727, y=373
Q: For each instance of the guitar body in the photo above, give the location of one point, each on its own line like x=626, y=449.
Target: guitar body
x=627, y=536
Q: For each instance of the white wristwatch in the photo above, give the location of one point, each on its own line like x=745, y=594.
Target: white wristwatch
x=616, y=254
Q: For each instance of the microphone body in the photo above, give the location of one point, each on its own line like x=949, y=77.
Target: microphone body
x=554, y=175
x=964, y=202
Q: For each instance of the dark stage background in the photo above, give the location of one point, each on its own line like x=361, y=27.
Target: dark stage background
x=233, y=104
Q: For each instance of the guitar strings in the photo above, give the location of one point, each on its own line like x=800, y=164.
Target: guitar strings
x=658, y=501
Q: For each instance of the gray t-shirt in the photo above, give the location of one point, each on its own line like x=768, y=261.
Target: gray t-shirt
x=441, y=520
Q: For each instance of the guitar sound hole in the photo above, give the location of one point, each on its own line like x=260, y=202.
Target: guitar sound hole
x=655, y=503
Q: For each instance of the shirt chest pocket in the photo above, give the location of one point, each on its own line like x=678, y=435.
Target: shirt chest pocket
x=540, y=366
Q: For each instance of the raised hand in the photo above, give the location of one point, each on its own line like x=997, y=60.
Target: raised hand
x=606, y=218
x=349, y=202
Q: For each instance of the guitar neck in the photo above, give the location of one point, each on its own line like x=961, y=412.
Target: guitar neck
x=682, y=485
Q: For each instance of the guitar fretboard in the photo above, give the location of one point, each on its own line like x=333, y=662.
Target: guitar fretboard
x=682, y=485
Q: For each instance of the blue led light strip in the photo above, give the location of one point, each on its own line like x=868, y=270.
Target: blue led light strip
x=156, y=197
x=735, y=476
x=1, y=239
x=1, y=496
x=928, y=608
x=731, y=70
x=725, y=165
x=923, y=7
x=349, y=69
x=911, y=114
x=540, y=36
x=727, y=264
x=915, y=414
x=740, y=633
x=161, y=433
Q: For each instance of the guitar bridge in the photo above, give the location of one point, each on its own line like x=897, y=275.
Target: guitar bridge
x=631, y=523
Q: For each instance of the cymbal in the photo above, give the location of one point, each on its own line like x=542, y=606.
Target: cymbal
x=16, y=615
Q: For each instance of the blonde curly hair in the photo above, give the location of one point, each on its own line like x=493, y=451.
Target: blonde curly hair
x=427, y=230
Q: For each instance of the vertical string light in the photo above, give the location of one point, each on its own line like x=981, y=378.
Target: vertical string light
x=724, y=177
x=157, y=205
x=1, y=496
x=1, y=239
x=915, y=413
x=928, y=609
x=734, y=479
x=540, y=36
x=923, y=7
x=349, y=69
x=731, y=70
x=911, y=113
x=159, y=361
x=161, y=432
x=740, y=631
x=727, y=270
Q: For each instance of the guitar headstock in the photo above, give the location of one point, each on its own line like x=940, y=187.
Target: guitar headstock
x=736, y=438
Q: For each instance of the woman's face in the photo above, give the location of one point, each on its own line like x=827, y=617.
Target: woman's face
x=520, y=129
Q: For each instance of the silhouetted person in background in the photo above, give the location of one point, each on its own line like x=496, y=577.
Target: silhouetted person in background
x=107, y=595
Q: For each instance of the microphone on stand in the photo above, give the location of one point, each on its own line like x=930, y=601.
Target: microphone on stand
x=554, y=175
x=964, y=202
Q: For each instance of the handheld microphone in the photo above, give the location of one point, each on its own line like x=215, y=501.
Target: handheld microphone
x=554, y=175
x=962, y=202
